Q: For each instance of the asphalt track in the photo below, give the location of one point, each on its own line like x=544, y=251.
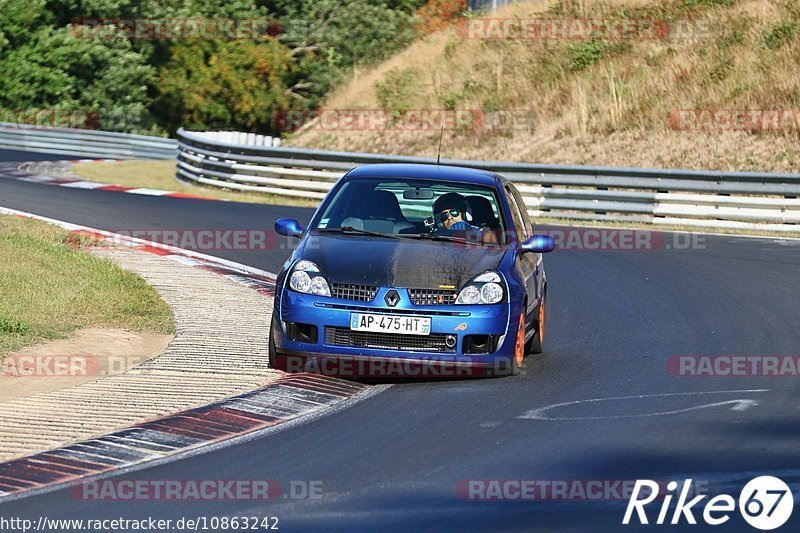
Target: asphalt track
x=21, y=155
x=393, y=461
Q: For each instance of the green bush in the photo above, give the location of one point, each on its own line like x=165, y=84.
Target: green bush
x=395, y=92
x=780, y=35
x=8, y=325
x=54, y=69
x=157, y=86
x=584, y=54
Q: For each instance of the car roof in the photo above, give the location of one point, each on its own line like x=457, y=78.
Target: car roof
x=436, y=172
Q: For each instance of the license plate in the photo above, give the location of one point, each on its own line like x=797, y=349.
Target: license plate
x=410, y=325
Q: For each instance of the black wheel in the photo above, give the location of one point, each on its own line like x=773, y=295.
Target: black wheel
x=273, y=355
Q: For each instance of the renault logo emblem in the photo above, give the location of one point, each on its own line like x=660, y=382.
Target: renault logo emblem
x=392, y=298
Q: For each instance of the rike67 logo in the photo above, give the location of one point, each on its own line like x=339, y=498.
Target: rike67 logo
x=766, y=503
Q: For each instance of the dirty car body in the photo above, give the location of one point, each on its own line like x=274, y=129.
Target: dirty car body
x=378, y=286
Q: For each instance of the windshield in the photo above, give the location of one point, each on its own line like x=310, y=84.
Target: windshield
x=414, y=208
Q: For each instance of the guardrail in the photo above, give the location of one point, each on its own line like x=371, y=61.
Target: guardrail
x=728, y=200
x=241, y=137
x=244, y=161
x=85, y=143
x=488, y=5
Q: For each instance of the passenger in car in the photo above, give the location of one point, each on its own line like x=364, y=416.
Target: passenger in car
x=483, y=216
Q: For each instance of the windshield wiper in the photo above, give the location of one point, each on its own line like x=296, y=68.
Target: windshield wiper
x=449, y=238
x=437, y=237
x=352, y=230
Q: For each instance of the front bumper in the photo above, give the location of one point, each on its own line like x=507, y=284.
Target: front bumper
x=456, y=320
x=374, y=367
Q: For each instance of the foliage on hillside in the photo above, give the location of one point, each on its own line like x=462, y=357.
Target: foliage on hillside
x=597, y=100
x=437, y=15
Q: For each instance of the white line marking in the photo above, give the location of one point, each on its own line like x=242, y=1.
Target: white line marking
x=188, y=261
x=83, y=185
x=135, y=241
x=148, y=192
x=738, y=405
x=38, y=179
x=744, y=405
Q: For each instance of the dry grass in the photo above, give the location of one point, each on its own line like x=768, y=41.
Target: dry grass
x=604, y=102
x=51, y=289
x=161, y=175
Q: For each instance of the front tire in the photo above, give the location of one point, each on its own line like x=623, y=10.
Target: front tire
x=273, y=354
x=519, y=347
x=535, y=344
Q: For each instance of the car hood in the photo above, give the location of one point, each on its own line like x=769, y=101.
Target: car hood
x=401, y=263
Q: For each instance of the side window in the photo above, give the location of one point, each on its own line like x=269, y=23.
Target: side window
x=524, y=209
x=516, y=216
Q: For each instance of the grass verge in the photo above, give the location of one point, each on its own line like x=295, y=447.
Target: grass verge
x=161, y=175
x=49, y=288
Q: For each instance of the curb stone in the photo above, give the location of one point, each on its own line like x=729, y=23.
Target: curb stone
x=286, y=398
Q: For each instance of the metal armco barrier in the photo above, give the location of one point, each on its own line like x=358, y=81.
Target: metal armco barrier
x=726, y=200
x=488, y=5
x=85, y=143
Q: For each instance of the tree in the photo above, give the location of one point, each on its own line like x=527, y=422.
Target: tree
x=223, y=85
x=329, y=37
x=49, y=60
x=53, y=69
x=438, y=14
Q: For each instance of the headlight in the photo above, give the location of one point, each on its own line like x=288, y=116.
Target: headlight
x=484, y=289
x=306, y=278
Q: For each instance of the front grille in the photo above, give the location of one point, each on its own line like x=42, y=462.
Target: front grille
x=434, y=342
x=432, y=296
x=394, y=311
x=350, y=291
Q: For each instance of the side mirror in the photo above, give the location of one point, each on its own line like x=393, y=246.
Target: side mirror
x=288, y=227
x=538, y=243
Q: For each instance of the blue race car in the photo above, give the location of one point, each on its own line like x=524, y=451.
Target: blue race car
x=412, y=270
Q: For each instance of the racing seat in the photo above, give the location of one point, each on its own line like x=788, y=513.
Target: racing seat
x=483, y=215
x=379, y=211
